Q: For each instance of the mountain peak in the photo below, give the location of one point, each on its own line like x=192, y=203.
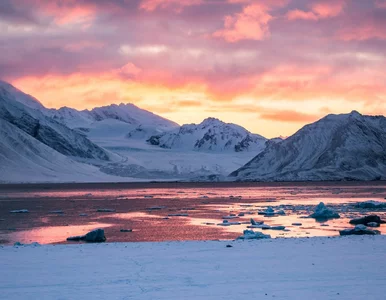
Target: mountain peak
x=15, y=94
x=211, y=121
x=355, y=113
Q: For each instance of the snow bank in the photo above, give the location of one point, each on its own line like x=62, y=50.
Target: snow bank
x=301, y=269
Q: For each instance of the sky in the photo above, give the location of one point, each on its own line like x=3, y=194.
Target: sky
x=270, y=66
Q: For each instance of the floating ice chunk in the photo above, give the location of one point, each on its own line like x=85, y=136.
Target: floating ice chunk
x=297, y=224
x=94, y=236
x=276, y=228
x=19, y=211
x=156, y=207
x=229, y=217
x=268, y=212
x=323, y=212
x=252, y=235
x=227, y=223
x=105, y=210
x=253, y=222
x=148, y=196
x=83, y=215
x=260, y=226
x=371, y=204
x=59, y=212
x=34, y=244
x=373, y=224
x=178, y=215
x=367, y=219
x=359, y=230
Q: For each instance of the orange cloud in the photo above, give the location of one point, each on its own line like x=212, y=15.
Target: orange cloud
x=289, y=116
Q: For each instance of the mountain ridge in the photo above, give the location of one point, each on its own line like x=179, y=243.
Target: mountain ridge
x=328, y=149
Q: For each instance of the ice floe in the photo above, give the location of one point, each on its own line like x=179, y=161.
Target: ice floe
x=253, y=235
x=324, y=212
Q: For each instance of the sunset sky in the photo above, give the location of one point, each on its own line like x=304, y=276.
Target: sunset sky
x=270, y=66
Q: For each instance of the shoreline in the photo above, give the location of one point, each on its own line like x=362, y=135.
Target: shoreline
x=178, y=242
x=20, y=187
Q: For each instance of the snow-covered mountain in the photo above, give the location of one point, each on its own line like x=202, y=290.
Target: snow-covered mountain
x=27, y=114
x=25, y=159
x=41, y=144
x=113, y=121
x=337, y=147
x=210, y=135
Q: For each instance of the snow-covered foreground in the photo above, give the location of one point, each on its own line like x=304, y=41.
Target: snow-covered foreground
x=315, y=268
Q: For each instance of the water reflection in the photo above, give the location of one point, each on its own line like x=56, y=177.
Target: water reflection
x=155, y=211
x=50, y=234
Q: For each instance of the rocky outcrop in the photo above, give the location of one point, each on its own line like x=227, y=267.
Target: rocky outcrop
x=359, y=230
x=94, y=236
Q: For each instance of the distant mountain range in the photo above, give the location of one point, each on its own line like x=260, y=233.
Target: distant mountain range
x=126, y=143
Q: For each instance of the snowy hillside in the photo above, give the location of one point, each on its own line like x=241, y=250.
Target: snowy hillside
x=210, y=135
x=28, y=115
x=337, y=147
x=25, y=159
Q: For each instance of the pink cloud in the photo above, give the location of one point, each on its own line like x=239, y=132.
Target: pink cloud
x=250, y=24
x=328, y=9
x=83, y=45
x=130, y=70
x=64, y=12
x=319, y=10
x=362, y=32
x=380, y=3
x=151, y=5
x=298, y=14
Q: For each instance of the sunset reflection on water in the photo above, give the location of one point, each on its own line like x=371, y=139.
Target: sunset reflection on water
x=161, y=214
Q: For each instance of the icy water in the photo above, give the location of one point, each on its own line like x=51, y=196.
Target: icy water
x=172, y=211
